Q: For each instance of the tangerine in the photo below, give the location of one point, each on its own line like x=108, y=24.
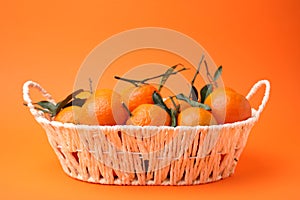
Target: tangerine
x=67, y=115
x=228, y=106
x=194, y=116
x=135, y=96
x=149, y=115
x=103, y=107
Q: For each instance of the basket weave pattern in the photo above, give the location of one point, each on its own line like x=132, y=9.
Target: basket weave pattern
x=129, y=155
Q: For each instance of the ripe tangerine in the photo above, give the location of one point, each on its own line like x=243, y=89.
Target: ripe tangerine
x=149, y=115
x=135, y=96
x=228, y=106
x=103, y=107
x=67, y=115
x=194, y=116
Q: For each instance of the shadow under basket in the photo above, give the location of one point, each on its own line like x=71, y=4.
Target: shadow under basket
x=132, y=155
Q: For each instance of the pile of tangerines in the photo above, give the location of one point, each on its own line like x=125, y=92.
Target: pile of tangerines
x=142, y=104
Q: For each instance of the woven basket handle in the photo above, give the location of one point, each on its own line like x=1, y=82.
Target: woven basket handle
x=26, y=96
x=253, y=90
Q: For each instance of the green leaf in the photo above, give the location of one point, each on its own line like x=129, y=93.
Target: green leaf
x=166, y=76
x=43, y=110
x=192, y=103
x=194, y=93
x=172, y=112
x=64, y=102
x=39, y=108
x=75, y=102
x=51, y=108
x=218, y=73
x=47, y=105
x=157, y=99
x=173, y=117
x=205, y=91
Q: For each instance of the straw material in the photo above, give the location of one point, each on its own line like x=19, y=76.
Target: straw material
x=131, y=155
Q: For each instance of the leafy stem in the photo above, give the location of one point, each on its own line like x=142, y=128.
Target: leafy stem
x=197, y=72
x=165, y=75
x=157, y=99
x=217, y=74
x=91, y=85
x=194, y=95
x=132, y=81
x=53, y=109
x=210, y=79
x=208, y=88
x=192, y=102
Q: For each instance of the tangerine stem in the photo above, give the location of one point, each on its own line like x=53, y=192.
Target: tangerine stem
x=127, y=109
x=91, y=85
x=161, y=75
x=209, y=76
x=198, y=70
x=134, y=82
x=173, y=102
x=195, y=76
x=137, y=82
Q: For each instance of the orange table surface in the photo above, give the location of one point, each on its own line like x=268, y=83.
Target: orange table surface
x=46, y=41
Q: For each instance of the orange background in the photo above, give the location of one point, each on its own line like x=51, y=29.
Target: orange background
x=47, y=41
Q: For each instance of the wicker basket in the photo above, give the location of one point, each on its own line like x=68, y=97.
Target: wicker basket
x=130, y=155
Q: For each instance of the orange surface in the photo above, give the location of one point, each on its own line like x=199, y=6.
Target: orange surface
x=47, y=41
